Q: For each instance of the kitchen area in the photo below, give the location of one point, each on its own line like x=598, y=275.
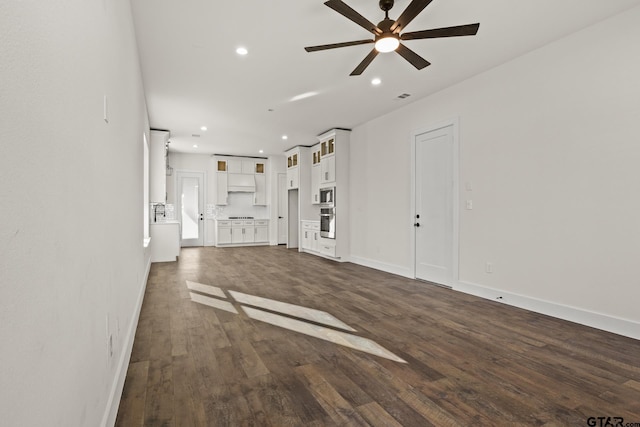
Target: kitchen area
x=299, y=199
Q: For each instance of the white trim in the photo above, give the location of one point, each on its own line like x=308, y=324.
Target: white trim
x=383, y=266
x=616, y=325
x=454, y=122
x=111, y=410
x=605, y=322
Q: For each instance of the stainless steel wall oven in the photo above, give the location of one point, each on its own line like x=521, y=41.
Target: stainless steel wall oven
x=328, y=223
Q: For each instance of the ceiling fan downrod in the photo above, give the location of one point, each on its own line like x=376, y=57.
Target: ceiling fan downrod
x=386, y=5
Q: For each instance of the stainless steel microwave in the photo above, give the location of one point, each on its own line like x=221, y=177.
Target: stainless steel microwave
x=328, y=196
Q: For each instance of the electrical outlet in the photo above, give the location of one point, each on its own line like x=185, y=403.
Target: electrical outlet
x=469, y=205
x=488, y=267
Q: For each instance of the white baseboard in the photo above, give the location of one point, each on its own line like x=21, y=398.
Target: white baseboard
x=111, y=411
x=616, y=325
x=625, y=327
x=383, y=266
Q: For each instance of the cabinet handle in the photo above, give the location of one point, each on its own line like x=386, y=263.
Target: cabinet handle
x=305, y=235
x=291, y=184
x=326, y=176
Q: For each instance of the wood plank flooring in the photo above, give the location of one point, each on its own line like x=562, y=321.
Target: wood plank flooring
x=469, y=361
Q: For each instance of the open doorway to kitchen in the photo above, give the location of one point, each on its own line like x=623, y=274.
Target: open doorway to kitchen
x=294, y=221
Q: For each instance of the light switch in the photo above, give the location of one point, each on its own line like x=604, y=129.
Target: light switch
x=469, y=205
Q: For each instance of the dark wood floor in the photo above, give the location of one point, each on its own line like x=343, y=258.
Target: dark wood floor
x=470, y=361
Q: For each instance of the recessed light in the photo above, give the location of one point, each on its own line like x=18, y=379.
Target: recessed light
x=195, y=145
x=242, y=51
x=285, y=137
x=376, y=81
x=260, y=151
x=203, y=128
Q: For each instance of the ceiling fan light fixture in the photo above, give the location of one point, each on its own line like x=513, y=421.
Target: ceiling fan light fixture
x=387, y=44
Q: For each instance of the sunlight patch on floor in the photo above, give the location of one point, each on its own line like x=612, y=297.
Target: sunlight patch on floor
x=213, y=302
x=206, y=289
x=336, y=337
x=291, y=310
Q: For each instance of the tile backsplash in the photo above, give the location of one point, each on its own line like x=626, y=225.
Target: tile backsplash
x=238, y=204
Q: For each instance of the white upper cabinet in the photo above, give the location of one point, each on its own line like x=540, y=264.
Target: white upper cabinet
x=221, y=193
x=293, y=171
x=316, y=174
x=328, y=160
x=260, y=196
x=239, y=165
x=158, y=166
x=328, y=170
x=240, y=174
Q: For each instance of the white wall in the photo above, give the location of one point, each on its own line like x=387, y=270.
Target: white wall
x=71, y=209
x=550, y=145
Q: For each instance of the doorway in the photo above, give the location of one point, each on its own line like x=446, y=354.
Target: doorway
x=293, y=219
x=190, y=208
x=435, y=213
x=282, y=209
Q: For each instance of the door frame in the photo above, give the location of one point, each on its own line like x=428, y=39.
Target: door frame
x=454, y=123
x=177, y=204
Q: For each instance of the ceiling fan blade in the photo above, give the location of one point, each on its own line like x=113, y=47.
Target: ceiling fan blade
x=414, y=8
x=416, y=60
x=336, y=45
x=365, y=63
x=460, y=30
x=343, y=9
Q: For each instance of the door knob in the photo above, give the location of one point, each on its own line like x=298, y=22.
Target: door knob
x=417, y=224
x=280, y=217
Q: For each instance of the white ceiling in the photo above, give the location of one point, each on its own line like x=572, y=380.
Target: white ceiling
x=193, y=77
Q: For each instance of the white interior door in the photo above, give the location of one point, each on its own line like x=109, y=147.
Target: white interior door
x=282, y=209
x=435, y=245
x=190, y=208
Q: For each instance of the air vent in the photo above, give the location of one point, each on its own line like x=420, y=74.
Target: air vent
x=404, y=95
x=195, y=135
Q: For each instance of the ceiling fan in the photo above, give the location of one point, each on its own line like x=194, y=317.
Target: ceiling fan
x=387, y=35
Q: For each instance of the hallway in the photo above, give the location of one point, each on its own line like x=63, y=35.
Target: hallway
x=469, y=361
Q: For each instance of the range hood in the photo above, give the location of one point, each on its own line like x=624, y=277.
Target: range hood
x=241, y=182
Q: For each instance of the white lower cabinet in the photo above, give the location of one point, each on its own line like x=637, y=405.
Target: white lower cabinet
x=236, y=234
x=261, y=231
x=327, y=247
x=223, y=233
x=242, y=232
x=248, y=231
x=310, y=236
